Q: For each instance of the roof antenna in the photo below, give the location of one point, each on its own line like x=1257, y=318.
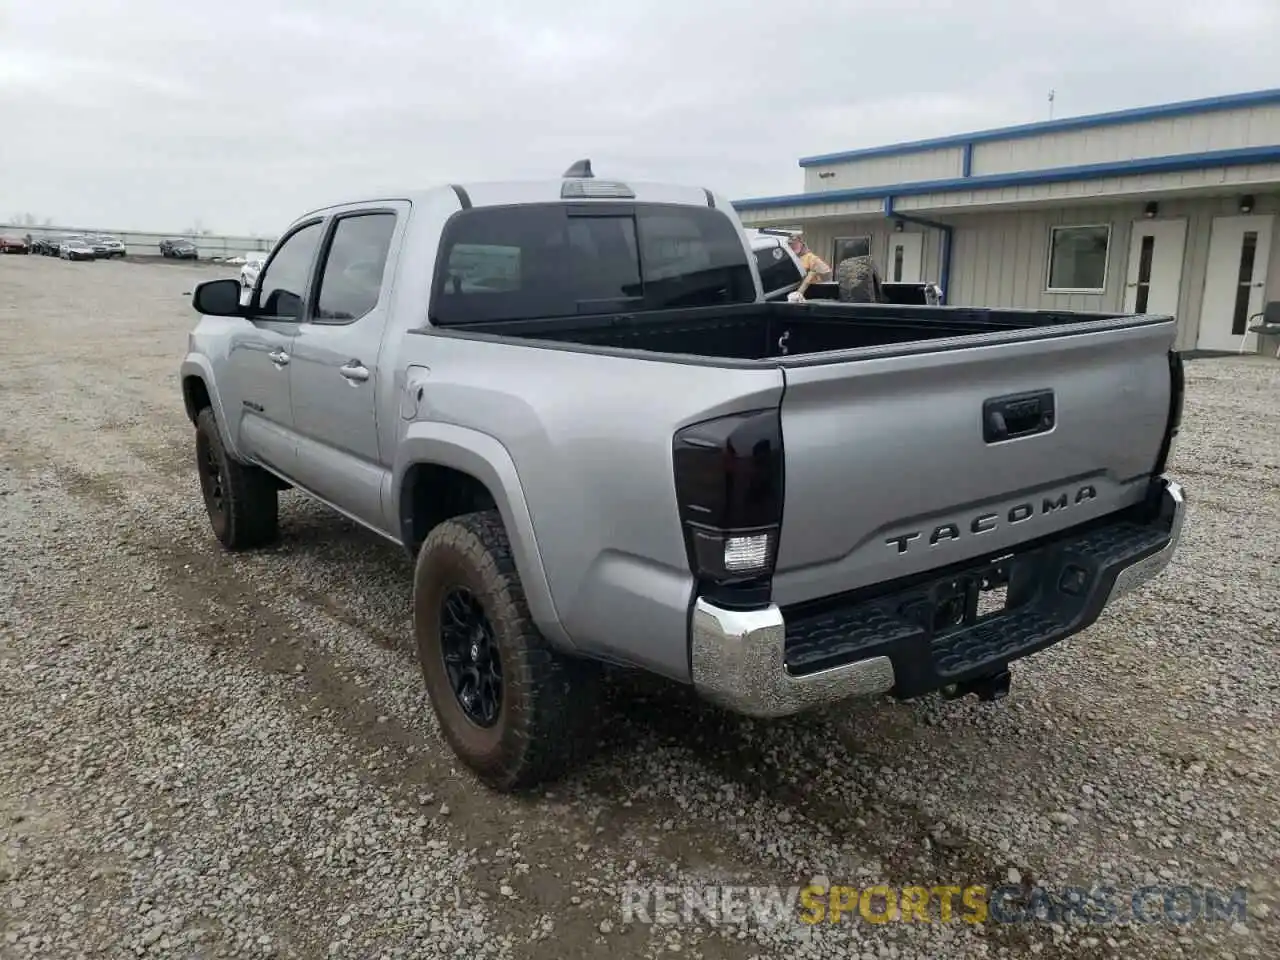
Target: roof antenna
x=1052, y=94
x=580, y=170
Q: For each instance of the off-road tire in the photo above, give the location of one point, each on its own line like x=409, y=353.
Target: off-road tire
x=543, y=721
x=242, y=500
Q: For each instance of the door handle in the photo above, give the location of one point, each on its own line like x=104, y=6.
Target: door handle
x=279, y=357
x=1010, y=417
x=354, y=371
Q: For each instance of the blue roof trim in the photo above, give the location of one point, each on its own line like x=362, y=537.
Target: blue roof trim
x=1089, y=171
x=1236, y=101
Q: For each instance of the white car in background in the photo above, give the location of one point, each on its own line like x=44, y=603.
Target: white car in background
x=253, y=262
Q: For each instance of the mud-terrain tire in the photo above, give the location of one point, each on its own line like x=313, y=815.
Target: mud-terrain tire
x=857, y=280
x=242, y=500
x=531, y=726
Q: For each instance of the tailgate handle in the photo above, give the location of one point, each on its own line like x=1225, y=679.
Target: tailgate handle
x=1017, y=415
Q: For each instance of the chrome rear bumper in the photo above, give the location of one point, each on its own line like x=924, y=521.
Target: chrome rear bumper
x=739, y=657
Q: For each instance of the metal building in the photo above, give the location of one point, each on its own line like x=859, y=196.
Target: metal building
x=1168, y=209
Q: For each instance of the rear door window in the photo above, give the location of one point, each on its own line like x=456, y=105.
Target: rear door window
x=351, y=282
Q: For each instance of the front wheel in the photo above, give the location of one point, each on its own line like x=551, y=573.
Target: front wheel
x=242, y=501
x=514, y=710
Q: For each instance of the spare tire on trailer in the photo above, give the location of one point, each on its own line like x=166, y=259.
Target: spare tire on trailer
x=858, y=281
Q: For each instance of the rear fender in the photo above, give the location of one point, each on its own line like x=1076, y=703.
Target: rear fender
x=484, y=458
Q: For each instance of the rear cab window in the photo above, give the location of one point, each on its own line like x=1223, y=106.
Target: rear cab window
x=547, y=260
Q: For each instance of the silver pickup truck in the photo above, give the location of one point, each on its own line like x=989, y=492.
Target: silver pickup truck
x=570, y=401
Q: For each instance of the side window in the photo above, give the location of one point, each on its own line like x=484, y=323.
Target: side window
x=777, y=270
x=285, y=279
x=351, y=279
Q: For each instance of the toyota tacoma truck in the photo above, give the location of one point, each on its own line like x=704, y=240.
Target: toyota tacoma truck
x=570, y=401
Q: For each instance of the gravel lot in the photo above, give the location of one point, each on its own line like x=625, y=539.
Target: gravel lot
x=204, y=755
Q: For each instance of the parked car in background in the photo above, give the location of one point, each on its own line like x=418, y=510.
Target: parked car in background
x=13, y=244
x=76, y=248
x=179, y=249
x=48, y=245
x=253, y=262
x=100, y=249
x=114, y=247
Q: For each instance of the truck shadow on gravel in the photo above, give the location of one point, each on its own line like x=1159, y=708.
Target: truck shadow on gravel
x=772, y=766
x=803, y=772
x=785, y=765
x=778, y=761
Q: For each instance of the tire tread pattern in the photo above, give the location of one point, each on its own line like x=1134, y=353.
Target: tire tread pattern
x=251, y=495
x=547, y=735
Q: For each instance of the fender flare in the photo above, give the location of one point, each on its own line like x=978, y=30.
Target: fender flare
x=486, y=459
x=195, y=365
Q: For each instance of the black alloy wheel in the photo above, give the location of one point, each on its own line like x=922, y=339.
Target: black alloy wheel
x=471, y=658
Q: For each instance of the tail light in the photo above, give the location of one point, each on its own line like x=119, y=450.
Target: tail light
x=729, y=480
x=1177, y=392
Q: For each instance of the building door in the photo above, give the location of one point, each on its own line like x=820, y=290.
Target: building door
x=905, y=255
x=1155, y=266
x=1235, y=280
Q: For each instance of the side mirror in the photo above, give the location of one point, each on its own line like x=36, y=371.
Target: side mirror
x=217, y=298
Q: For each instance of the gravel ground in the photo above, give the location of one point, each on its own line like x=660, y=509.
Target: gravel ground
x=204, y=755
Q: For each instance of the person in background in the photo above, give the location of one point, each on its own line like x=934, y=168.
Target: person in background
x=814, y=267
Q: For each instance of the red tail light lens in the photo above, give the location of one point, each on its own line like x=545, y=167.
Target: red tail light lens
x=729, y=485
x=1177, y=395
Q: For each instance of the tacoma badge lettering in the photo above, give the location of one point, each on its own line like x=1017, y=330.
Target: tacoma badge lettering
x=986, y=522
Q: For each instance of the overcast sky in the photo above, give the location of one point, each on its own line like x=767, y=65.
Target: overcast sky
x=161, y=114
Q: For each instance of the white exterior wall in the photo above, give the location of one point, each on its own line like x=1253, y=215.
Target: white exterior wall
x=1203, y=180
x=821, y=236
x=880, y=171
x=1191, y=133
x=1195, y=133
x=1000, y=259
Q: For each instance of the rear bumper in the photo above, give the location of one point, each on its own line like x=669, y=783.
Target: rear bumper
x=766, y=663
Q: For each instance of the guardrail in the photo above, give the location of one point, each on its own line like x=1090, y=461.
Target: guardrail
x=141, y=244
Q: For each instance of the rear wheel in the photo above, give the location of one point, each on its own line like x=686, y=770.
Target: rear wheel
x=513, y=709
x=242, y=500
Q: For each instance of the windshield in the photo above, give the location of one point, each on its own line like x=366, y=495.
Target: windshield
x=555, y=260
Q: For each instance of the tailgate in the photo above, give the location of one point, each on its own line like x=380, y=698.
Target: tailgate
x=895, y=466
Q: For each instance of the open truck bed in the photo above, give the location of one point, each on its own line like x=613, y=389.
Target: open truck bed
x=773, y=330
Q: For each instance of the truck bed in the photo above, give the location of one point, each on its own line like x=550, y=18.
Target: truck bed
x=766, y=331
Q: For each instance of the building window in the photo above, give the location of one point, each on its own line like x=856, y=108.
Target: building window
x=1078, y=258
x=846, y=247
